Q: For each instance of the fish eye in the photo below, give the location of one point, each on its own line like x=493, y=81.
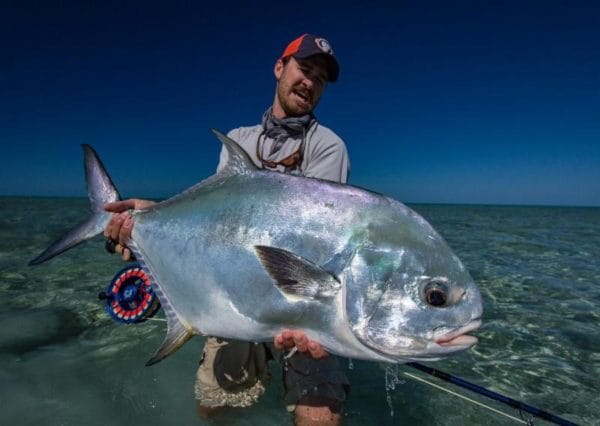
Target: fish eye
x=435, y=293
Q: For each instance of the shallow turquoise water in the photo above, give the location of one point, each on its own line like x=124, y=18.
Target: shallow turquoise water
x=63, y=361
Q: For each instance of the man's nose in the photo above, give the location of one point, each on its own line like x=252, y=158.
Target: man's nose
x=308, y=82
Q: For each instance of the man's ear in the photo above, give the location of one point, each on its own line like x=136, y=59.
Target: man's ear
x=278, y=69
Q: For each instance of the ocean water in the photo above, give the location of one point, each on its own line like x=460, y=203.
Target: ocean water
x=63, y=361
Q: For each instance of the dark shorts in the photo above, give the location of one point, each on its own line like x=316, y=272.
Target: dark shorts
x=235, y=374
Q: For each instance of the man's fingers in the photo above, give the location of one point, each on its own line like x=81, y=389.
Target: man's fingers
x=124, y=251
x=126, y=256
x=142, y=204
x=119, y=227
x=120, y=206
x=300, y=341
x=113, y=227
x=316, y=350
x=284, y=340
x=130, y=204
x=126, y=227
x=289, y=339
x=278, y=342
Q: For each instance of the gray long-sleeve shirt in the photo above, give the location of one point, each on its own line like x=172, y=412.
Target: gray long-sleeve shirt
x=324, y=155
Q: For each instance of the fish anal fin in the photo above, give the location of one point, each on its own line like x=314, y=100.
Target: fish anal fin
x=178, y=333
x=297, y=276
x=177, y=336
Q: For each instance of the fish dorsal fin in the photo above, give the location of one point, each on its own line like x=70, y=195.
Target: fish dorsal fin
x=238, y=162
x=297, y=276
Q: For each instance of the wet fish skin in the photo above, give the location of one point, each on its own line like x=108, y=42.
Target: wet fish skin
x=248, y=252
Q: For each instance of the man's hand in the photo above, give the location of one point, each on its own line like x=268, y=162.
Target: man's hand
x=289, y=339
x=121, y=223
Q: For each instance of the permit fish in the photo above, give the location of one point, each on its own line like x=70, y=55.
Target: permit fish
x=249, y=252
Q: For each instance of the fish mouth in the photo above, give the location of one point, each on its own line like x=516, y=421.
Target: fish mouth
x=459, y=337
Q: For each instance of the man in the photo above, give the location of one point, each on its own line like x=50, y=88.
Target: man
x=289, y=140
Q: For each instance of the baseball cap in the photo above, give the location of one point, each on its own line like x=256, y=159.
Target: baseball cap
x=308, y=45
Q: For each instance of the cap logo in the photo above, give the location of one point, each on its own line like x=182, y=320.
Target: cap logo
x=324, y=45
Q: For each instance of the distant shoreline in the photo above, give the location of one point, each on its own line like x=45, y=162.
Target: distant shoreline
x=409, y=203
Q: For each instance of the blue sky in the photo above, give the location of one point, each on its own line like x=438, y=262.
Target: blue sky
x=493, y=102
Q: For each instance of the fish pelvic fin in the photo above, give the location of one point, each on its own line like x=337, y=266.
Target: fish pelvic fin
x=297, y=276
x=101, y=190
x=239, y=162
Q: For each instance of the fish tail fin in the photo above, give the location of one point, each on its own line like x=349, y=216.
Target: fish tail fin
x=101, y=190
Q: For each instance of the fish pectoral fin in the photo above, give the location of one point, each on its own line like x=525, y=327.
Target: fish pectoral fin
x=177, y=335
x=297, y=276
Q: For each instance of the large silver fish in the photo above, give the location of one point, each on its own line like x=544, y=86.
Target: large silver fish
x=248, y=252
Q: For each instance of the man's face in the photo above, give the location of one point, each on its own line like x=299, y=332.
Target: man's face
x=300, y=83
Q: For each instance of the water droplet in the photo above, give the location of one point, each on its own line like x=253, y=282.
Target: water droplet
x=391, y=380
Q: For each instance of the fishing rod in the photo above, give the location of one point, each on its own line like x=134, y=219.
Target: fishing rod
x=490, y=394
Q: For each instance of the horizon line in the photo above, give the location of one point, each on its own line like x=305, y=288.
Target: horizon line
x=431, y=203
